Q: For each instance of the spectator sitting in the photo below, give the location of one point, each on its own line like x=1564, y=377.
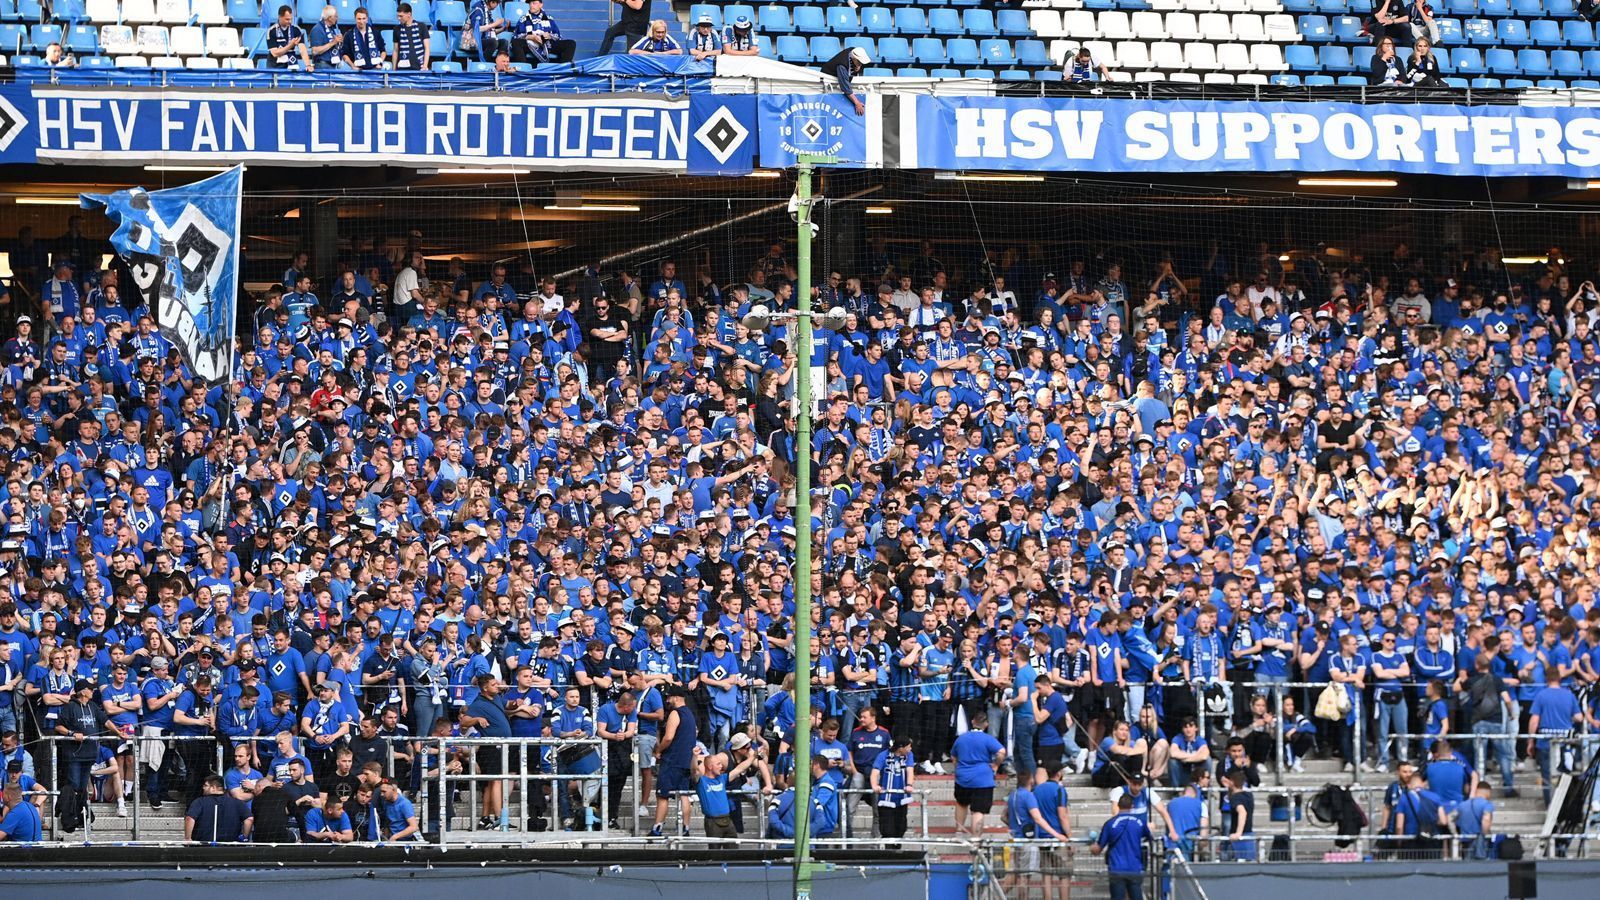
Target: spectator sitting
x=1387, y=69
x=703, y=40
x=1423, y=68
x=57, y=58
x=739, y=39
x=539, y=38
x=484, y=31
x=657, y=42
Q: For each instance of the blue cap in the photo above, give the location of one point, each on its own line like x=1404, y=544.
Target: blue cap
x=741, y=22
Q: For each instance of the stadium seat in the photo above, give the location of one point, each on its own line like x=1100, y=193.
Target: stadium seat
x=453, y=14
x=894, y=50
x=911, y=21
x=382, y=13
x=774, y=20
x=1587, y=84
x=1494, y=9
x=841, y=20
x=1234, y=58
x=1512, y=33
x=1519, y=84
x=479, y=67
x=979, y=74
x=811, y=20
x=1167, y=55
x=1578, y=34
x=1567, y=63
x=1316, y=29
x=132, y=62
x=95, y=62
x=1184, y=77
x=1181, y=27
x=979, y=23
x=937, y=73
x=1049, y=75
x=1080, y=24
x=1347, y=29
x=115, y=40
x=208, y=12
x=1133, y=55
x=223, y=41
x=1551, y=84
x=421, y=11
x=201, y=62
x=1014, y=75
x=1591, y=62
x=963, y=52
x=1335, y=59
x=449, y=68
x=1332, y=7
x=1351, y=81
x=877, y=20
x=944, y=22
x=1534, y=62
x=1061, y=48
x=1480, y=32
x=1319, y=81
x=1046, y=23
x=42, y=36
x=8, y=11
x=1301, y=58
x=1200, y=56
x=1556, y=9
x=82, y=40
x=1267, y=58
x=1280, y=28
x=1215, y=27
x=173, y=12
x=188, y=40
x=824, y=46
x=1461, y=8
x=1032, y=53
x=929, y=51
x=877, y=72
x=14, y=38
x=244, y=12
x=1467, y=61
x=1545, y=33
x=1299, y=7
x=154, y=40
x=1501, y=61
x=868, y=44
x=1361, y=58
x=1217, y=78
x=997, y=52
x=734, y=11
x=103, y=11
x=1286, y=80
x=793, y=48
x=1449, y=30
x=1115, y=26
x=1249, y=28
x=1013, y=23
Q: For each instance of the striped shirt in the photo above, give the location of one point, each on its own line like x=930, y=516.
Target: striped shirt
x=410, y=45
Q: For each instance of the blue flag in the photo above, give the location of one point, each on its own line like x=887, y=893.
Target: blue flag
x=182, y=245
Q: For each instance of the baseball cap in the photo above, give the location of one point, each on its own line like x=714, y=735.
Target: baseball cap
x=703, y=20
x=739, y=742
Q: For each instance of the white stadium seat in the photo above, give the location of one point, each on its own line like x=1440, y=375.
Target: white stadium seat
x=1248, y=27
x=223, y=41
x=1216, y=27
x=210, y=12
x=1185, y=77
x=188, y=40
x=1114, y=26
x=1218, y=78
x=172, y=12
x=1234, y=58
x=132, y=62
x=166, y=62
x=117, y=40
x=1148, y=26
x=103, y=11
x=154, y=40
x=1046, y=23
x=239, y=62
x=1268, y=58
x=1200, y=56
x=202, y=62
x=139, y=12
x=1181, y=26
x=1252, y=78
x=1079, y=24
x=1061, y=48
x=1144, y=77
x=1167, y=55
x=1132, y=55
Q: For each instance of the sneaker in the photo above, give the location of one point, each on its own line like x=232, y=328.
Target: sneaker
x=656, y=831
x=614, y=825
x=1297, y=766
x=1082, y=761
x=1511, y=792
x=122, y=808
x=926, y=767
x=486, y=822
x=155, y=802
x=938, y=769
x=1367, y=766
x=685, y=831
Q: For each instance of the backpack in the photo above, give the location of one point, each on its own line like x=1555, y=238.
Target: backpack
x=1333, y=806
x=69, y=808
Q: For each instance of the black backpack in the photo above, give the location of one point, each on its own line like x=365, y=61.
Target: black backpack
x=69, y=808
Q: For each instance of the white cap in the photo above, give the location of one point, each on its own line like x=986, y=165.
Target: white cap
x=860, y=55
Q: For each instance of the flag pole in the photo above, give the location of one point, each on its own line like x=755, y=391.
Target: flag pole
x=230, y=384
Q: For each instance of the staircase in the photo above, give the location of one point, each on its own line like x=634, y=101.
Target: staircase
x=586, y=21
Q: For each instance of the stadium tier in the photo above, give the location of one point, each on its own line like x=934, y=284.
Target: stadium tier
x=1488, y=44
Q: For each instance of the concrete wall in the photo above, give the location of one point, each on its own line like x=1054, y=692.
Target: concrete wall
x=1556, y=880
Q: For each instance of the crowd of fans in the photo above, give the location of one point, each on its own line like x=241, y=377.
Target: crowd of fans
x=1087, y=520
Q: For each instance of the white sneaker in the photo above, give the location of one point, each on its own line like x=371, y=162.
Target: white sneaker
x=1081, y=763
x=122, y=808
x=926, y=767
x=1297, y=766
x=938, y=769
x=1368, y=767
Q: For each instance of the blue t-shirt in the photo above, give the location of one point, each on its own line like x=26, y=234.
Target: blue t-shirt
x=1019, y=812
x=973, y=753
x=23, y=823
x=1555, y=708
x=1123, y=838
x=1050, y=730
x=1051, y=796
x=714, y=795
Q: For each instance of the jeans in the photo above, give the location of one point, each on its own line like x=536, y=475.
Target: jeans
x=8, y=718
x=1135, y=700
x=1391, y=719
x=854, y=701
x=1023, y=731
x=1502, y=749
x=1126, y=887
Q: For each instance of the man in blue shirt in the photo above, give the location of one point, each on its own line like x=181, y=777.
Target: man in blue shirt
x=1122, y=840
x=286, y=43
x=977, y=756
x=326, y=40
x=711, y=773
x=487, y=714
x=892, y=778
x=1553, y=713
x=22, y=821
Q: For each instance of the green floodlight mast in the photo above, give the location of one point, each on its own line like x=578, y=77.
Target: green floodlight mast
x=758, y=319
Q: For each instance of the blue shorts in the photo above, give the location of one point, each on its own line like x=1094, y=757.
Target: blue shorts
x=673, y=780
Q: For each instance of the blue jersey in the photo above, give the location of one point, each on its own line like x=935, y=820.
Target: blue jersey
x=1122, y=837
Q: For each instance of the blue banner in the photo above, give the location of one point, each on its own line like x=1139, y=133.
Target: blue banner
x=818, y=124
x=723, y=141
x=1185, y=136
x=182, y=245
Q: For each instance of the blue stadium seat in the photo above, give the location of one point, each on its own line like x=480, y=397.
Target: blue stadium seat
x=997, y=52
x=307, y=12
x=734, y=11
x=1501, y=61
x=811, y=20
x=244, y=12
x=911, y=21
x=943, y=72
x=1332, y=7
x=96, y=62
x=254, y=40
x=1494, y=9
x=8, y=11
x=13, y=37
x=1534, y=62
x=1301, y=57
x=1467, y=61
x=1442, y=54
x=793, y=48
x=868, y=44
x=980, y=74
x=1013, y=23
x=449, y=14
x=439, y=43
x=1531, y=9
x=774, y=20
x=705, y=9
x=1316, y=29
x=29, y=11
x=1352, y=80
x=979, y=23
x=1586, y=83
x=1347, y=29
x=476, y=66
x=963, y=52
x=877, y=20
x=764, y=47
x=1014, y=75
x=1361, y=58
x=1299, y=7
x=824, y=46
x=1591, y=62
x=877, y=72
x=382, y=13
x=1552, y=84
x=1454, y=82
x=1288, y=79
x=944, y=21
x=82, y=40
x=1361, y=8
x=1335, y=59
x=1519, y=84
x=1034, y=53
x=843, y=20
x=45, y=35
x=1513, y=33
x=347, y=10
x=928, y=50
x=1319, y=81
x=1049, y=75
x=447, y=67
x=1480, y=32
x=512, y=13
x=894, y=51
x=1463, y=8
x=1567, y=63
x=910, y=72
x=422, y=11
x=1578, y=33
x=1449, y=30
x=1558, y=9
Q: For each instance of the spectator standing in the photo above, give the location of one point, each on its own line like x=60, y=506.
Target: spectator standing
x=632, y=26
x=411, y=54
x=893, y=777
x=977, y=756
x=327, y=39
x=364, y=50
x=1083, y=68
x=1121, y=840
x=674, y=754
x=286, y=43
x=216, y=817
x=485, y=32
